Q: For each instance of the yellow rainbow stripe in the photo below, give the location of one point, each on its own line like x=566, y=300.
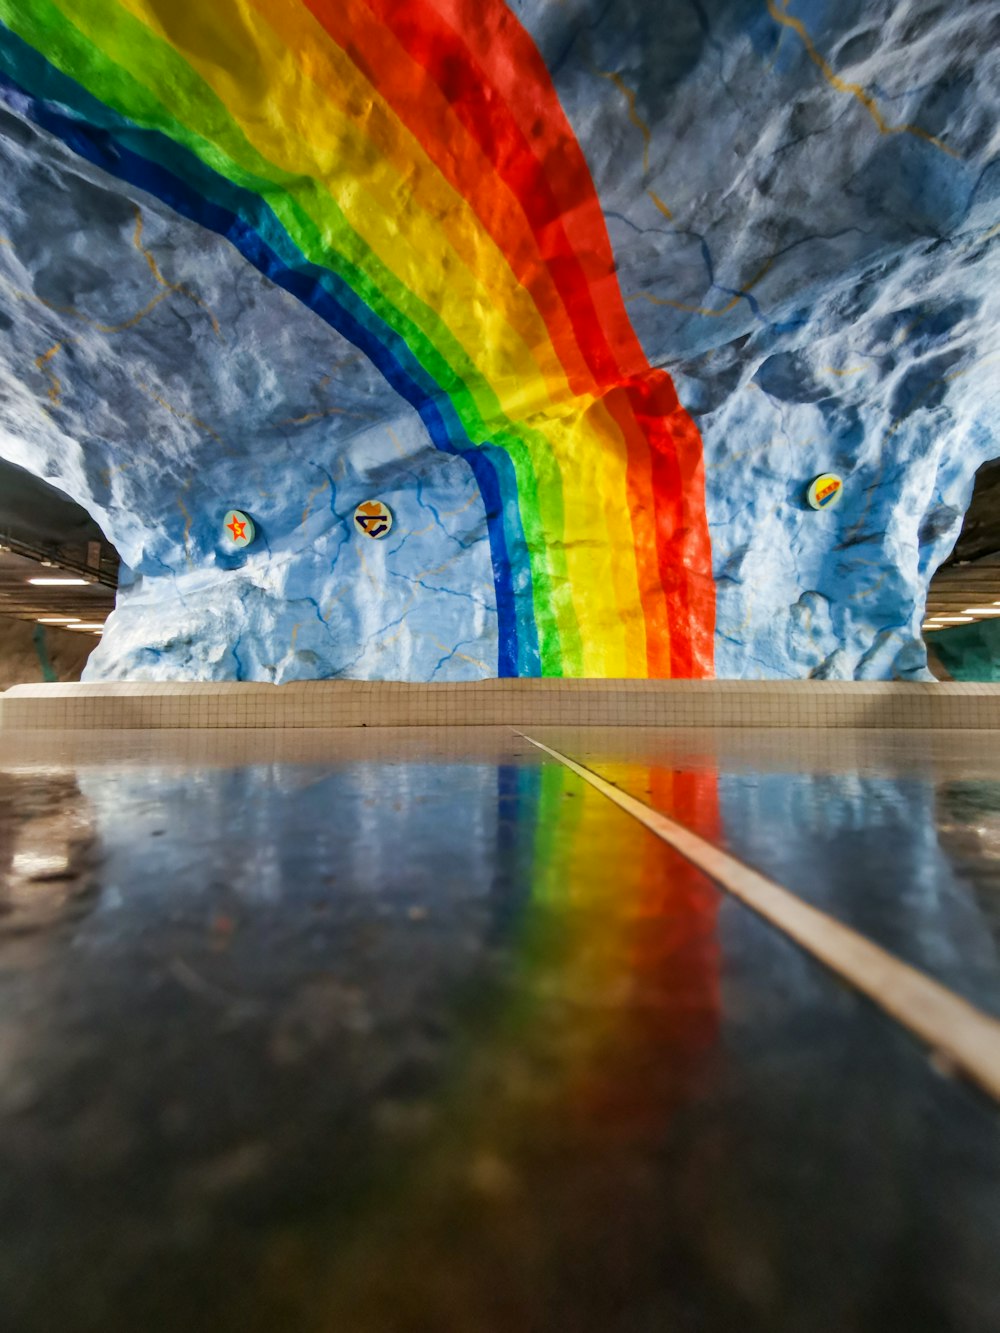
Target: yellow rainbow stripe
x=507, y=327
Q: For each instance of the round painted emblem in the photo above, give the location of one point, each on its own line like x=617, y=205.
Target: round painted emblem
x=825, y=491
x=237, y=529
x=373, y=518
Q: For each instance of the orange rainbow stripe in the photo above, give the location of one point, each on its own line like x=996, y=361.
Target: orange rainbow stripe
x=406, y=170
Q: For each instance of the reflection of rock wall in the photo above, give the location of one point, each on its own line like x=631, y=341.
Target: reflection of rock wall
x=909, y=837
x=802, y=200
x=968, y=824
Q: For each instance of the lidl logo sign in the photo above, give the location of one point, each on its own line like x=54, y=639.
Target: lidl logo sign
x=825, y=491
x=237, y=529
x=373, y=518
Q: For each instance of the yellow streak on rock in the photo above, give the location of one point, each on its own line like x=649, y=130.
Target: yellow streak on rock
x=312, y=496
x=364, y=565
x=42, y=363
x=700, y=309
x=188, y=520
x=178, y=412
x=633, y=114
x=780, y=15
x=660, y=205
x=154, y=268
x=455, y=653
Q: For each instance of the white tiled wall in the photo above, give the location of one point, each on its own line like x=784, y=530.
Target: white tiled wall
x=608, y=703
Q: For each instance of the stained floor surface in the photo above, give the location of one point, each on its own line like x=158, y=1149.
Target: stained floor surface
x=417, y=1031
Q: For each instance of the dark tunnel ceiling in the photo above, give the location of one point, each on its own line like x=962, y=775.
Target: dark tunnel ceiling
x=35, y=512
x=41, y=523
x=981, y=529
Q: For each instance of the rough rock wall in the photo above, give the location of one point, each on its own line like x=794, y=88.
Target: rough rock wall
x=824, y=290
x=159, y=379
x=802, y=204
x=30, y=654
x=970, y=652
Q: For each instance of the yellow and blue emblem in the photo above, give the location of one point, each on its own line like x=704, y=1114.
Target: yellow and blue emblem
x=825, y=491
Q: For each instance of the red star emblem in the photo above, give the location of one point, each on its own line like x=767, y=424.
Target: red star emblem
x=237, y=528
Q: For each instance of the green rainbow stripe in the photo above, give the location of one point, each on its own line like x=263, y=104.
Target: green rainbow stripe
x=577, y=1047
x=420, y=218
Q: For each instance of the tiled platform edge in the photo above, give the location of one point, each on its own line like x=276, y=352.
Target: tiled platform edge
x=519, y=703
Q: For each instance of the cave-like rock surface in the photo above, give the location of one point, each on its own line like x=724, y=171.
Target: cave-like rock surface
x=802, y=211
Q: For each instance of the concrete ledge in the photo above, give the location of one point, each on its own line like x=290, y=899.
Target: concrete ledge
x=604, y=703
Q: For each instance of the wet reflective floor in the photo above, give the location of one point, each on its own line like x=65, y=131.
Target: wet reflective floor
x=417, y=1031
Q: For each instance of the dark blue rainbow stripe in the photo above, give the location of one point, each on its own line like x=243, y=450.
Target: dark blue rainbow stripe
x=35, y=89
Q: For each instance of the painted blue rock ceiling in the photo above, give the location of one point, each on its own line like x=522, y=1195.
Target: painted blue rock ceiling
x=802, y=200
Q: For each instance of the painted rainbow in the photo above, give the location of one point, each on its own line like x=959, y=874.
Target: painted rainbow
x=405, y=169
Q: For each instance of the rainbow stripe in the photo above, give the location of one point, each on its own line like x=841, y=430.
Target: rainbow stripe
x=404, y=167
x=568, y=1063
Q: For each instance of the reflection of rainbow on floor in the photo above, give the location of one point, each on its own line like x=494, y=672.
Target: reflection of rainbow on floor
x=597, y=1033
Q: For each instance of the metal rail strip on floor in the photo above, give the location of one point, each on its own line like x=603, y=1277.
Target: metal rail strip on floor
x=962, y=1037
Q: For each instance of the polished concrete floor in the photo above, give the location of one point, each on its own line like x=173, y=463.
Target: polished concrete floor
x=373, y=1031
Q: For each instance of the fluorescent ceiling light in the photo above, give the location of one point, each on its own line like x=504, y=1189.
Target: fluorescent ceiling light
x=981, y=611
x=56, y=620
x=39, y=863
x=59, y=583
x=88, y=624
x=955, y=620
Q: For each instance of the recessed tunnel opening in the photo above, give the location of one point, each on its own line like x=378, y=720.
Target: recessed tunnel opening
x=506, y=865
x=58, y=579
x=962, y=622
